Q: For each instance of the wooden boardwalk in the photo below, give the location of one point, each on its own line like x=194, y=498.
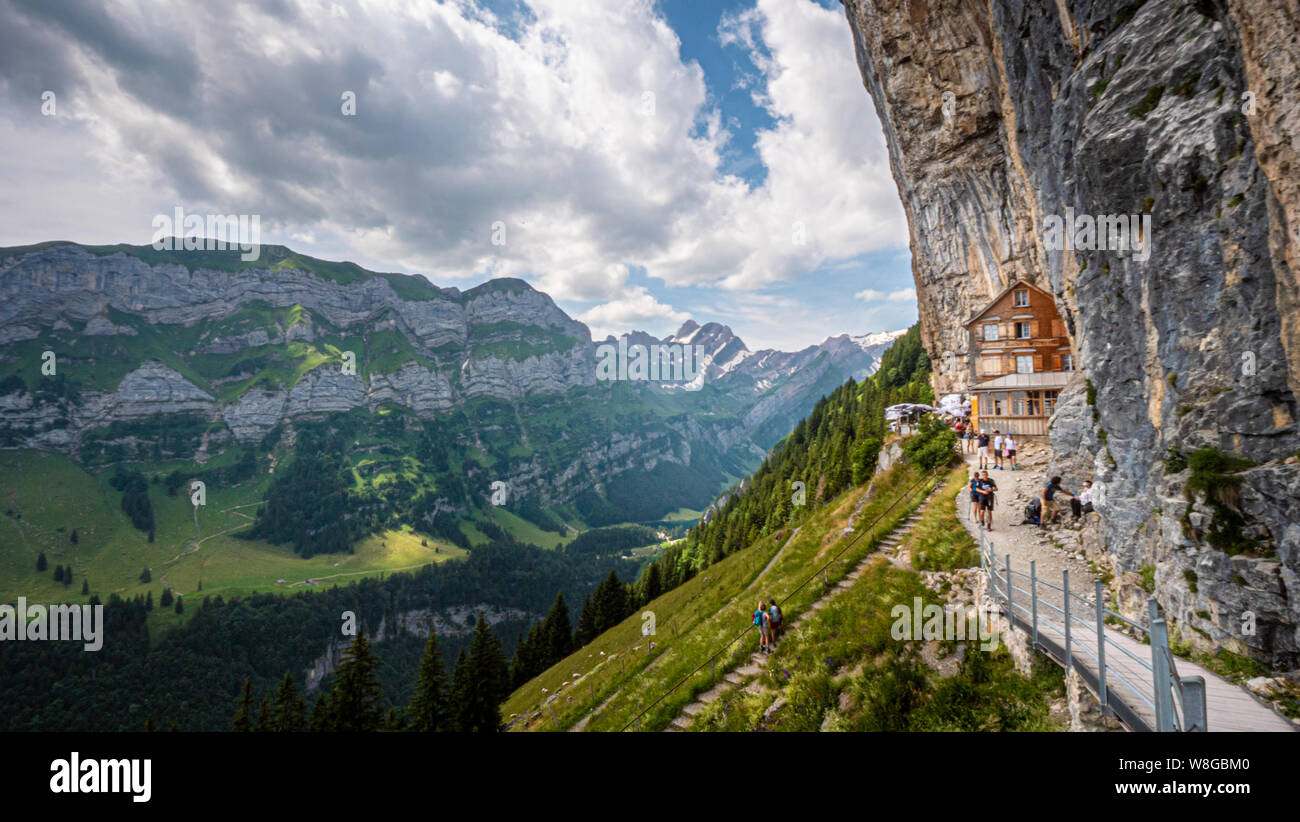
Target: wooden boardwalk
x=1229, y=707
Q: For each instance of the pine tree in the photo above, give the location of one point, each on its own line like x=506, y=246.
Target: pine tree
x=322, y=714
x=67, y=577
x=528, y=657
x=356, y=699
x=148, y=600
x=58, y=573
x=41, y=563
x=265, y=715
x=556, y=634
x=394, y=721
x=149, y=725
x=611, y=603
x=653, y=585
x=85, y=587
x=166, y=599
x=242, y=722
x=146, y=577
x=488, y=681
x=428, y=710
x=73, y=538
x=290, y=712
x=180, y=605
x=461, y=692
x=586, y=630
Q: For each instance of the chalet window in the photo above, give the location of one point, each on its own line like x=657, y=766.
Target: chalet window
x=997, y=407
x=1049, y=402
x=1022, y=299
x=990, y=332
x=1067, y=362
x=1023, y=332
x=992, y=365
x=1018, y=403
x=1035, y=404
x=1024, y=363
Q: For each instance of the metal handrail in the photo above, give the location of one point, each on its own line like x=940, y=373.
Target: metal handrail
x=1178, y=702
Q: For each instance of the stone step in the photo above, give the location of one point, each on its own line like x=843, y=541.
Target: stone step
x=748, y=671
x=734, y=678
x=693, y=709
x=682, y=723
x=715, y=693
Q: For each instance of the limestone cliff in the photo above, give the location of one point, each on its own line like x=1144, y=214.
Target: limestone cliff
x=1001, y=116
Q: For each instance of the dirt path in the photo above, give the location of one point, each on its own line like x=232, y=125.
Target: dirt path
x=1027, y=543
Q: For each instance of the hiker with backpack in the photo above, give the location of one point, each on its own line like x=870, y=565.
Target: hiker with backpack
x=761, y=622
x=997, y=449
x=975, y=498
x=1048, y=496
x=1010, y=445
x=774, y=621
x=984, y=450
x=986, y=502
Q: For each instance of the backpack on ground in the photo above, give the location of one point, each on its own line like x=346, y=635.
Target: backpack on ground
x=1033, y=513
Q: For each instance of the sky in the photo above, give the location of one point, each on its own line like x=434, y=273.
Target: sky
x=644, y=162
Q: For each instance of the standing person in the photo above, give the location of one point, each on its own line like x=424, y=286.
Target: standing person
x=1010, y=445
x=983, y=450
x=761, y=623
x=997, y=449
x=986, y=502
x=976, y=513
x=1048, y=496
x=774, y=621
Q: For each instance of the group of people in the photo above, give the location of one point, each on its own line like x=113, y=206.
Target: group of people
x=1044, y=510
x=767, y=619
x=979, y=442
x=1003, y=446
x=1080, y=503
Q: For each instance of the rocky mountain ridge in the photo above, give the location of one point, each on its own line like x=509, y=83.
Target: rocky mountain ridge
x=242, y=349
x=1000, y=115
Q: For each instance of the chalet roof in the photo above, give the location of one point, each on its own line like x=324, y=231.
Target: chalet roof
x=1014, y=285
x=1038, y=379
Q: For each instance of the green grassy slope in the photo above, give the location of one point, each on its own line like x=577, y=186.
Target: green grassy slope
x=110, y=553
x=698, y=617
x=841, y=670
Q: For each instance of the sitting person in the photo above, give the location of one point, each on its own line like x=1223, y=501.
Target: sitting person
x=1082, y=504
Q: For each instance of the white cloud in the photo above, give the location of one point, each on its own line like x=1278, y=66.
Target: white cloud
x=901, y=295
x=638, y=310
x=460, y=127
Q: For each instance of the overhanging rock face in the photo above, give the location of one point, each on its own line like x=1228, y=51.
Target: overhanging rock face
x=1004, y=119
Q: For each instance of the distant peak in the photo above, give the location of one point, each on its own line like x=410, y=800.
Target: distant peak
x=687, y=328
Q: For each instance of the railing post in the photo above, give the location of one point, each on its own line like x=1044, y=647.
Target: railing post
x=1101, y=652
x=1194, y=704
x=1011, y=612
x=1160, y=668
x=1033, y=596
x=1065, y=585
